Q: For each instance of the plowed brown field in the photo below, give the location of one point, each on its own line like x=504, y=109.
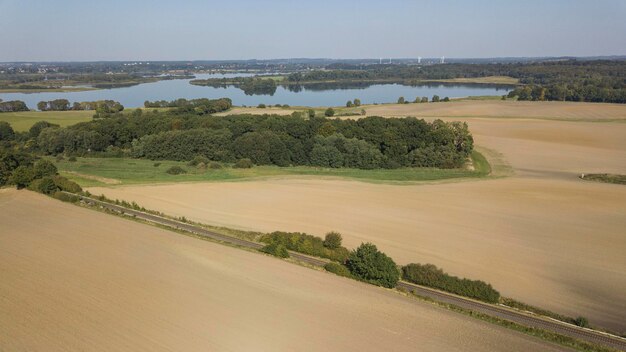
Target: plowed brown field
x=74, y=279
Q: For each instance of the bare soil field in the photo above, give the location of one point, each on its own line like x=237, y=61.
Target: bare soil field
x=556, y=244
x=554, y=110
x=542, y=236
x=497, y=108
x=553, y=149
x=76, y=279
x=256, y=111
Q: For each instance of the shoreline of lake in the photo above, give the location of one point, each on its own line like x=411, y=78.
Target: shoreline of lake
x=313, y=95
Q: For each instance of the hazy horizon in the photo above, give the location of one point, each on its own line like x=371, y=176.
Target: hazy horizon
x=384, y=59
x=141, y=30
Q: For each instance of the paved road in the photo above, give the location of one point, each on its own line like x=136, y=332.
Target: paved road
x=489, y=309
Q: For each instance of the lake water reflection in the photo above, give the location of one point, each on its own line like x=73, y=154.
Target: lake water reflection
x=314, y=95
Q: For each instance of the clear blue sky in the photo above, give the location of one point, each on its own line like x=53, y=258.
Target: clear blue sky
x=83, y=30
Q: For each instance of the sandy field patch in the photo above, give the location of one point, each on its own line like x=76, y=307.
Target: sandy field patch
x=554, y=149
x=498, y=108
x=76, y=279
x=256, y=111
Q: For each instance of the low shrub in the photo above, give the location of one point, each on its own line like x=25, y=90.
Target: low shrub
x=156, y=164
x=261, y=106
x=51, y=184
x=66, y=185
x=176, y=170
x=72, y=159
x=243, y=164
x=431, y=276
x=368, y=264
x=34, y=185
x=276, y=249
x=332, y=240
x=197, y=160
x=582, y=322
x=338, y=269
x=46, y=185
x=608, y=178
x=22, y=176
x=65, y=197
x=215, y=166
x=307, y=244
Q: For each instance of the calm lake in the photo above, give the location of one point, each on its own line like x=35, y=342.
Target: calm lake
x=296, y=96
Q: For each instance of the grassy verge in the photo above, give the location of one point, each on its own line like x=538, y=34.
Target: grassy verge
x=606, y=178
x=545, y=335
x=540, y=311
x=23, y=120
x=478, y=97
x=89, y=172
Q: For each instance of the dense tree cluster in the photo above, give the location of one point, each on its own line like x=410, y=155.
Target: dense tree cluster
x=332, y=240
x=338, y=269
x=101, y=106
x=258, y=86
x=200, y=106
x=249, y=85
x=12, y=106
x=276, y=249
x=181, y=145
x=369, y=264
x=431, y=276
x=54, y=105
x=23, y=170
x=565, y=92
x=307, y=244
x=368, y=143
x=10, y=160
x=6, y=131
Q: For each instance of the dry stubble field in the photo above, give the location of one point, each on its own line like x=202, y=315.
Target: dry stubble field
x=76, y=279
x=541, y=236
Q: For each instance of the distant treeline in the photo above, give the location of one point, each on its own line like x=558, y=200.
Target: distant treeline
x=564, y=92
x=101, y=106
x=249, y=85
x=81, y=74
x=252, y=86
x=368, y=143
x=198, y=106
x=573, y=80
x=12, y=106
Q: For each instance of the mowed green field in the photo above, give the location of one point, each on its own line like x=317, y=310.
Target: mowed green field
x=23, y=120
x=90, y=172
